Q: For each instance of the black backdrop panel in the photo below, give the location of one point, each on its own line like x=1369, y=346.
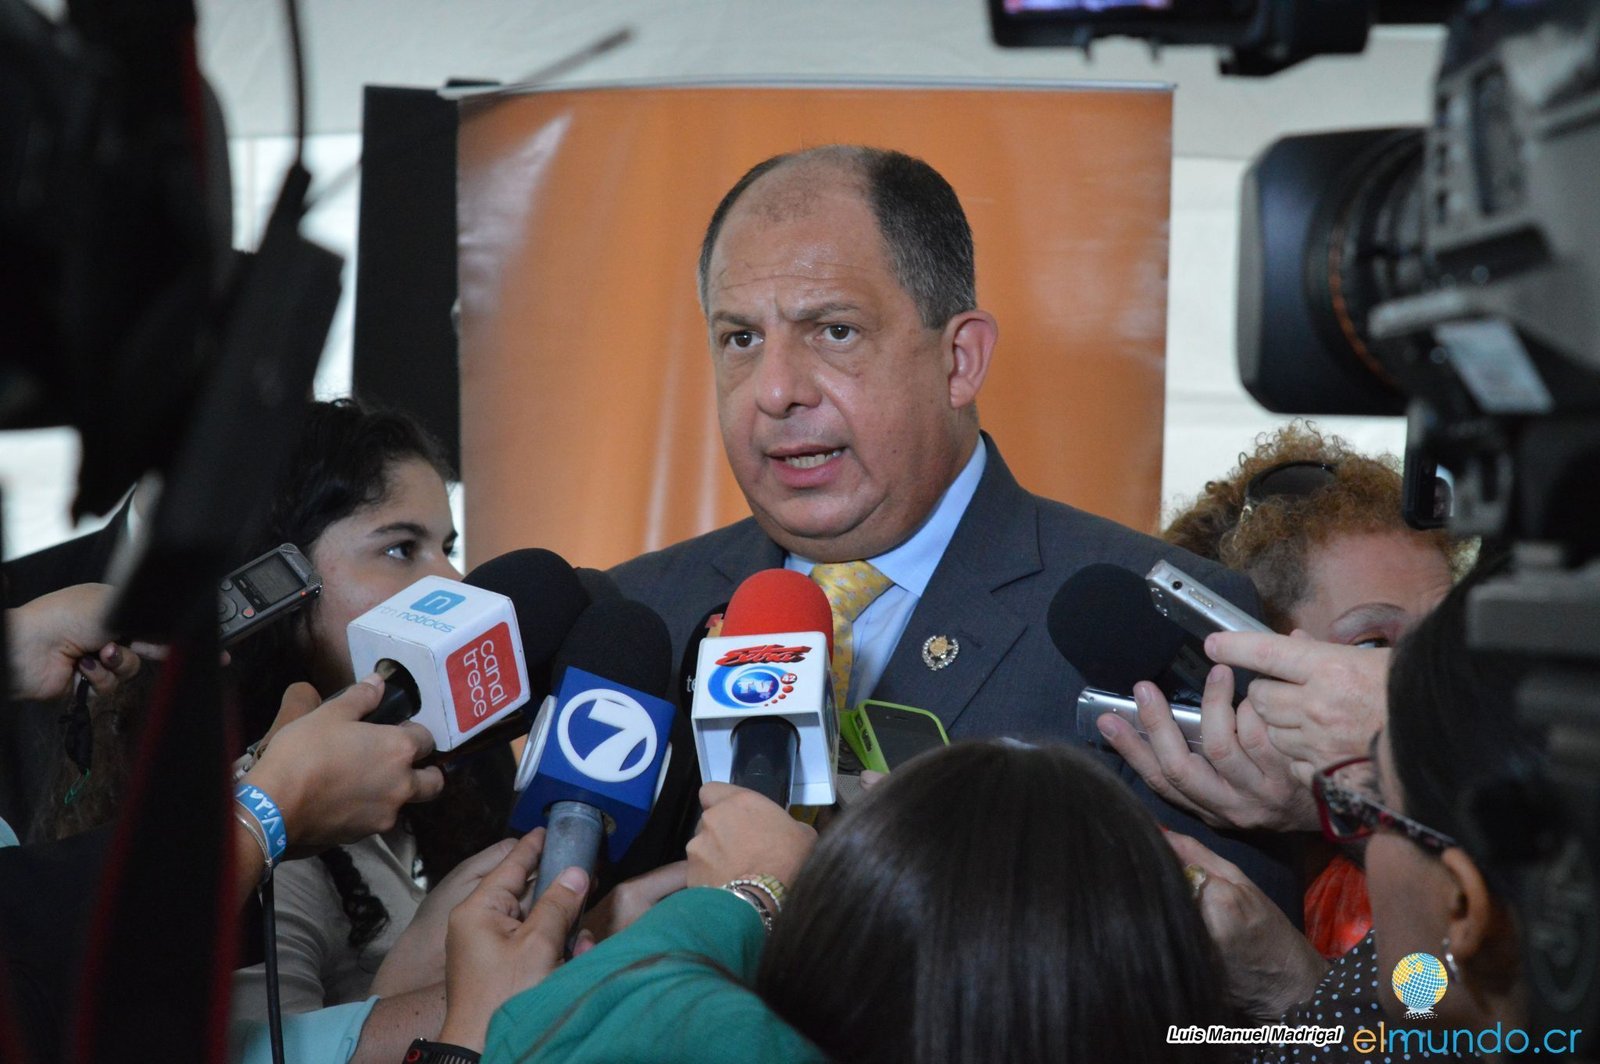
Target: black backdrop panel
x=405, y=348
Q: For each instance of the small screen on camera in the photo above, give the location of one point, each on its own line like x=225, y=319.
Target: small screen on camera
x=1138, y=9
x=273, y=580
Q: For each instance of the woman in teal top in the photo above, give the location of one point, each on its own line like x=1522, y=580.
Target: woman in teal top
x=989, y=902
x=675, y=987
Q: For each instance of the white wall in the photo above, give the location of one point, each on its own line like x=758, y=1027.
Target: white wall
x=1219, y=125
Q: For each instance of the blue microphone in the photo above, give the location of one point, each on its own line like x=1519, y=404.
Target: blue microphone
x=600, y=745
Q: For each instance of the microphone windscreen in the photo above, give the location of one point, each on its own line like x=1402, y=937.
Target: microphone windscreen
x=624, y=641
x=597, y=584
x=548, y=598
x=1104, y=623
x=778, y=600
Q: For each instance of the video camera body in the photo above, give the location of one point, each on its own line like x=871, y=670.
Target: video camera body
x=1450, y=273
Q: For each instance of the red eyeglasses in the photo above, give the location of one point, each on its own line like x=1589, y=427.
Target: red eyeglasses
x=1347, y=802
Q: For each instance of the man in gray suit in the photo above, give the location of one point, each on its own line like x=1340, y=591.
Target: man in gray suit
x=848, y=353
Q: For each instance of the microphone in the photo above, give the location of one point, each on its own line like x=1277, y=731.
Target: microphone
x=600, y=746
x=1103, y=623
x=549, y=596
x=763, y=708
x=676, y=813
x=462, y=657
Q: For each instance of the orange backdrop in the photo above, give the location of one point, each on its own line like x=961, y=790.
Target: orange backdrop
x=588, y=419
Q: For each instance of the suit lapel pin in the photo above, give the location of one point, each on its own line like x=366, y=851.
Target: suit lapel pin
x=939, y=651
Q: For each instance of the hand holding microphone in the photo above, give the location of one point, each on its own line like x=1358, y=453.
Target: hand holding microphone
x=741, y=834
x=337, y=779
x=1217, y=765
x=1240, y=782
x=492, y=951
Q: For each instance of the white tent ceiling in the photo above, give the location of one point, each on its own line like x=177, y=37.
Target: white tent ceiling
x=351, y=43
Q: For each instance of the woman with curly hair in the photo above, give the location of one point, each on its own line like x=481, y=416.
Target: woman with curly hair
x=1304, y=516
x=1318, y=528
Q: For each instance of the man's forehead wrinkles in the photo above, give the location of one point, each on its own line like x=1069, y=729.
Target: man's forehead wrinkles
x=790, y=294
x=789, y=268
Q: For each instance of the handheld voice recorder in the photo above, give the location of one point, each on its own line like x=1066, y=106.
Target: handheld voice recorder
x=1194, y=607
x=265, y=590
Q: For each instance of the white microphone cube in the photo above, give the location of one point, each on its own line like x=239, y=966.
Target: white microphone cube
x=462, y=646
x=778, y=675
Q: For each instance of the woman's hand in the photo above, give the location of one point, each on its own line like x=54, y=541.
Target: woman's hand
x=1322, y=702
x=417, y=959
x=741, y=833
x=1268, y=964
x=493, y=952
x=58, y=635
x=1240, y=781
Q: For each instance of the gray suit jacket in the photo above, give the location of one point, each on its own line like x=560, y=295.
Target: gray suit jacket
x=1009, y=556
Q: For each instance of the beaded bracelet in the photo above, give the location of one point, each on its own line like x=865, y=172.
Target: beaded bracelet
x=771, y=886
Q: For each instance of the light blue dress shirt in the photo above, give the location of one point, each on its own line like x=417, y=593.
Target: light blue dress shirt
x=910, y=565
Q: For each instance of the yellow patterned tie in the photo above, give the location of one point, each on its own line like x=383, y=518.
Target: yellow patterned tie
x=851, y=587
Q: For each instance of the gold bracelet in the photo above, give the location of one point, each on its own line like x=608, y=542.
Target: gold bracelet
x=771, y=886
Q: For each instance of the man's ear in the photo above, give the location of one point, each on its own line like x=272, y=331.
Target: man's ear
x=969, y=340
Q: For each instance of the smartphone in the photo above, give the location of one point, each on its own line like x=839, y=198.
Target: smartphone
x=885, y=736
x=1093, y=702
x=264, y=591
x=1194, y=607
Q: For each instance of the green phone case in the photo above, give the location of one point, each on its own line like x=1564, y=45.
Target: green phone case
x=857, y=732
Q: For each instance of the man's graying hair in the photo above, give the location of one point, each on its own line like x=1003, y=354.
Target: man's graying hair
x=924, y=229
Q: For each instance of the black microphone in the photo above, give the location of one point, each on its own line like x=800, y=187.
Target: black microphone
x=549, y=596
x=1104, y=623
x=599, y=748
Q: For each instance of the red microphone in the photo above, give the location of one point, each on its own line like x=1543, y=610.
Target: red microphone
x=778, y=600
x=762, y=715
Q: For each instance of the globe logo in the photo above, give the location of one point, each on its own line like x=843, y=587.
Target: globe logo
x=752, y=687
x=1420, y=982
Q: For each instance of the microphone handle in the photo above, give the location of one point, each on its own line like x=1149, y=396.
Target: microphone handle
x=764, y=753
x=400, y=701
x=572, y=837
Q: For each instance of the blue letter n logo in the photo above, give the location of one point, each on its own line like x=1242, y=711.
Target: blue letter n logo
x=437, y=602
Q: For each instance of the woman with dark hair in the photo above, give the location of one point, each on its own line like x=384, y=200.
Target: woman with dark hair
x=1454, y=743
x=988, y=902
x=365, y=498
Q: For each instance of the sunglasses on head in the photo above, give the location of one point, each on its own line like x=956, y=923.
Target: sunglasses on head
x=1287, y=480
